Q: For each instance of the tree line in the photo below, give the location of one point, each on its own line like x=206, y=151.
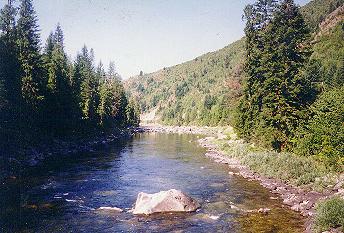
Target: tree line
x=292, y=97
x=44, y=92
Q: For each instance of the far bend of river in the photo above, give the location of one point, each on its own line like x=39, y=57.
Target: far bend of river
x=62, y=195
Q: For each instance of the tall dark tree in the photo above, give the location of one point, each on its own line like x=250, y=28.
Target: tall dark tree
x=257, y=16
x=60, y=101
x=86, y=79
x=287, y=94
x=9, y=61
x=44, y=94
x=10, y=83
x=113, y=101
x=28, y=43
x=276, y=93
x=132, y=114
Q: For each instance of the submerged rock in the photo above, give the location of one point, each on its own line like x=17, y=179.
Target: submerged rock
x=112, y=209
x=164, y=201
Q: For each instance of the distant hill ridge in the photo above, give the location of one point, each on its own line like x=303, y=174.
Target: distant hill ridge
x=200, y=91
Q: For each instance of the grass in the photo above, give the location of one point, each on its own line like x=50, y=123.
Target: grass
x=329, y=214
x=305, y=172
x=290, y=168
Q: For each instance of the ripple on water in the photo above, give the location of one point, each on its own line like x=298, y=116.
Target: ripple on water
x=113, y=176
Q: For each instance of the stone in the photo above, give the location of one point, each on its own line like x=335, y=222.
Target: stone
x=264, y=210
x=113, y=209
x=164, y=201
x=234, y=173
x=296, y=207
x=235, y=207
x=213, y=217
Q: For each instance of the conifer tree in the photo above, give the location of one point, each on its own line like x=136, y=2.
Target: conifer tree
x=9, y=76
x=276, y=95
x=45, y=94
x=60, y=101
x=86, y=78
x=132, y=114
x=28, y=43
x=286, y=93
x=112, y=71
x=257, y=16
x=113, y=101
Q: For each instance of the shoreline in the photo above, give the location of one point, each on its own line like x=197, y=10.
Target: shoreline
x=293, y=197
x=14, y=163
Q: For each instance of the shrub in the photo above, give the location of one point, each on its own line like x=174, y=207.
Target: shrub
x=329, y=214
x=323, y=136
x=288, y=167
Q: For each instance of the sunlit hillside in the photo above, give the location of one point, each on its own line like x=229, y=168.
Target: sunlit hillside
x=201, y=91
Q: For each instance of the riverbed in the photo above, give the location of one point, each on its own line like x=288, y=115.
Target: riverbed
x=63, y=195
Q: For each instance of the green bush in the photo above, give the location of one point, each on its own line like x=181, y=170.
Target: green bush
x=323, y=136
x=288, y=167
x=329, y=214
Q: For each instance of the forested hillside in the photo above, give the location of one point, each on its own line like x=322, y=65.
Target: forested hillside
x=203, y=91
x=293, y=95
x=45, y=94
x=317, y=10
x=323, y=134
x=194, y=92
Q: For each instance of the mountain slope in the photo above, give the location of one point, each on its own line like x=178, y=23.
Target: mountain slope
x=193, y=92
x=317, y=10
x=201, y=91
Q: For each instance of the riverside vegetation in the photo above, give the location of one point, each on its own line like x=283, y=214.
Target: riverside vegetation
x=281, y=87
x=46, y=95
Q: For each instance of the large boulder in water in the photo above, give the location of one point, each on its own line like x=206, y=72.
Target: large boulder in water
x=164, y=201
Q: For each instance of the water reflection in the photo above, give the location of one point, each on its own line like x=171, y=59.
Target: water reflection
x=63, y=195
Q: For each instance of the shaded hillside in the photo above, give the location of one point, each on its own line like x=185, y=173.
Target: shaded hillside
x=201, y=91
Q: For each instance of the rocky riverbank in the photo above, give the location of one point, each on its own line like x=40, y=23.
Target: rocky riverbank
x=209, y=131
x=13, y=162
x=294, y=197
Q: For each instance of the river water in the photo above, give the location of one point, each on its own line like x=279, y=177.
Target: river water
x=63, y=195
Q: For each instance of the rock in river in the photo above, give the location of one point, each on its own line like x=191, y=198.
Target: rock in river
x=112, y=209
x=164, y=201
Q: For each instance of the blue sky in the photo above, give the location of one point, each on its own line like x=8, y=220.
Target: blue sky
x=144, y=35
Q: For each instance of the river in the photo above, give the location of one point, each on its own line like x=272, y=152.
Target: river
x=62, y=195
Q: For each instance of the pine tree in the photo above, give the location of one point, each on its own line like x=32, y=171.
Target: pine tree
x=285, y=91
x=112, y=71
x=28, y=43
x=10, y=83
x=132, y=114
x=276, y=93
x=9, y=62
x=86, y=80
x=60, y=101
x=257, y=16
x=113, y=101
x=323, y=134
x=45, y=94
